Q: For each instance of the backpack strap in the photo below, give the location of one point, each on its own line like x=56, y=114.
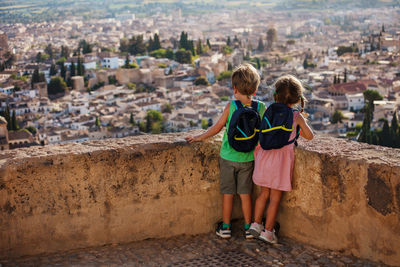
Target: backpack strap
x=254, y=105
x=237, y=104
x=294, y=140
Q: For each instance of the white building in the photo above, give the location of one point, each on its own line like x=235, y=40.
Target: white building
x=110, y=62
x=7, y=90
x=355, y=101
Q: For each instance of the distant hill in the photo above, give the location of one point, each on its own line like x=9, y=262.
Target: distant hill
x=26, y=11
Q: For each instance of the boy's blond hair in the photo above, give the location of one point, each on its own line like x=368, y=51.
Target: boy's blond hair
x=245, y=79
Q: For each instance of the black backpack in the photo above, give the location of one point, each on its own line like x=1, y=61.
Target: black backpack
x=244, y=127
x=277, y=126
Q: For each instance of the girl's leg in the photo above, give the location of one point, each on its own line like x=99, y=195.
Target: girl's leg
x=246, y=207
x=227, y=205
x=261, y=201
x=274, y=200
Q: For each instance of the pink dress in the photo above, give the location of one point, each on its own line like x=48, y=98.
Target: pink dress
x=274, y=168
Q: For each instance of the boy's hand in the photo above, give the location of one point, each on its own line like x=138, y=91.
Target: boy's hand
x=191, y=139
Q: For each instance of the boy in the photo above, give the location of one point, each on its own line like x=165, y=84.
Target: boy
x=236, y=168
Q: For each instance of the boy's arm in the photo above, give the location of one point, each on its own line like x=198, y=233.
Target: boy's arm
x=216, y=128
x=305, y=130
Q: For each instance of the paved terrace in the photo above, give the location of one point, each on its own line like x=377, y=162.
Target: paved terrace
x=154, y=200
x=196, y=251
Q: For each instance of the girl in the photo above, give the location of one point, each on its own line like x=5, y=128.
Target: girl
x=273, y=168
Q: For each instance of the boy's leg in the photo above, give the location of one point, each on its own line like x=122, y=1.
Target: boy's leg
x=261, y=201
x=274, y=200
x=246, y=207
x=227, y=206
x=227, y=188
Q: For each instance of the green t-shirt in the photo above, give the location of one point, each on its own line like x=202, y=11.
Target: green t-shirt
x=229, y=153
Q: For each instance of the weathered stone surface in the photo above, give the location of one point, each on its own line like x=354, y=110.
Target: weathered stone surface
x=346, y=195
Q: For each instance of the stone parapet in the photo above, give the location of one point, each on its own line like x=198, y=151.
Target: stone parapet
x=346, y=195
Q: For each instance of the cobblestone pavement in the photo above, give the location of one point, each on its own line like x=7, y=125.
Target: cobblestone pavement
x=199, y=250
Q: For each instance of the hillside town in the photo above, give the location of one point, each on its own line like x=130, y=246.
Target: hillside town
x=77, y=80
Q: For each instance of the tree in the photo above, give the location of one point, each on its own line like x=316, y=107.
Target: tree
x=204, y=124
x=56, y=85
x=80, y=68
x=131, y=120
x=153, y=121
x=156, y=42
x=9, y=59
x=65, y=52
x=167, y=108
x=208, y=43
x=345, y=76
x=334, y=79
x=230, y=67
x=14, y=122
x=63, y=71
x=228, y=41
x=371, y=96
x=227, y=50
x=7, y=117
x=112, y=79
x=72, y=70
x=385, y=137
x=183, y=41
x=224, y=75
x=260, y=45
x=201, y=80
x=85, y=47
x=199, y=47
x=137, y=45
x=49, y=50
x=337, y=116
x=394, y=127
x=37, y=77
x=183, y=56
x=31, y=129
x=383, y=27
x=97, y=122
x=271, y=37
x=53, y=70
x=127, y=62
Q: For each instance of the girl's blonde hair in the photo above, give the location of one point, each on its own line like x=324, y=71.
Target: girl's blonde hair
x=289, y=91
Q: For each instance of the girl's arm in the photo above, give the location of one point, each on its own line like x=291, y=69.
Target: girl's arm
x=305, y=130
x=216, y=128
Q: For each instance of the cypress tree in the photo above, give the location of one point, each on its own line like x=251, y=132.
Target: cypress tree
x=394, y=127
x=131, y=120
x=72, y=69
x=14, y=123
x=97, y=123
x=35, y=77
x=63, y=71
x=156, y=43
x=260, y=45
x=53, y=70
x=385, y=139
x=127, y=62
x=199, y=48
x=334, y=79
x=7, y=117
x=228, y=41
x=345, y=76
x=208, y=43
x=150, y=45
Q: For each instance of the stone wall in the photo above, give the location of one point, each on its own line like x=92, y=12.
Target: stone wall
x=346, y=195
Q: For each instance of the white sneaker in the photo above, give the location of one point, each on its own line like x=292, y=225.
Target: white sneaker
x=268, y=236
x=255, y=229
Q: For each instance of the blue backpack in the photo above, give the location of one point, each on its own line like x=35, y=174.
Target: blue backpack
x=277, y=126
x=244, y=126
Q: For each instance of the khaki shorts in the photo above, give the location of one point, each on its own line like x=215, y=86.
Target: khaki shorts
x=235, y=177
